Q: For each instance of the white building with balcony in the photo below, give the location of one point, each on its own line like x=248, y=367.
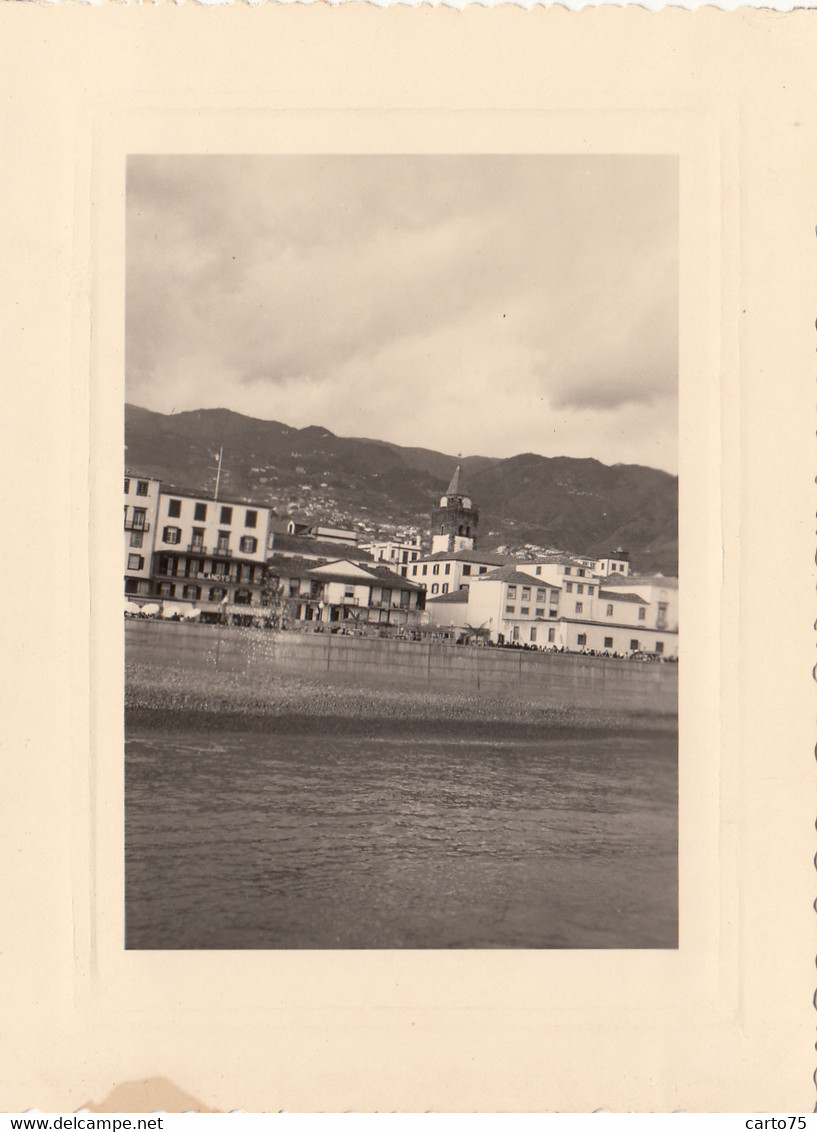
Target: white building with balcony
x=344, y=593
x=210, y=553
x=141, y=503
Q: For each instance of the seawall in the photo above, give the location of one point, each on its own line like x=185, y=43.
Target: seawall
x=550, y=679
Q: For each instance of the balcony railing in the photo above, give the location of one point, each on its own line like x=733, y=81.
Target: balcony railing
x=136, y=525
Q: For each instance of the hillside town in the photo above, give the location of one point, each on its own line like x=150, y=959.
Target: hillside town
x=192, y=558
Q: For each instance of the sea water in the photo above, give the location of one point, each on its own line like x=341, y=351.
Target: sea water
x=248, y=840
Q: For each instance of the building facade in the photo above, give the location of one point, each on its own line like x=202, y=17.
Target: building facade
x=616, y=563
x=342, y=594
x=512, y=607
x=141, y=504
x=209, y=552
x=446, y=571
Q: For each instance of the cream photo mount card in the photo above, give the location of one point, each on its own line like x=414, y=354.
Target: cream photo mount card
x=722, y=1021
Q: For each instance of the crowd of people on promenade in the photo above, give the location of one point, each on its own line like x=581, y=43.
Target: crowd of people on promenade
x=154, y=613
x=608, y=654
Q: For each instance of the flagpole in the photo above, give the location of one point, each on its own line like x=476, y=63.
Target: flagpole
x=218, y=475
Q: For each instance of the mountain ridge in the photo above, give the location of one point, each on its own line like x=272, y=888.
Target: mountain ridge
x=576, y=503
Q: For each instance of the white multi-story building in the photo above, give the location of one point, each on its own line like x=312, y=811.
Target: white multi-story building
x=512, y=607
x=141, y=503
x=209, y=552
x=660, y=594
x=447, y=570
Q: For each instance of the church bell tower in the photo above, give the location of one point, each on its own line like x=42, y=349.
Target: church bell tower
x=455, y=519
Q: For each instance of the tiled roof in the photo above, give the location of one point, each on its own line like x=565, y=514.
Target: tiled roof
x=381, y=575
x=554, y=560
x=292, y=565
x=456, y=597
x=391, y=576
x=479, y=557
x=665, y=583
x=511, y=574
x=308, y=547
x=279, y=526
x=606, y=595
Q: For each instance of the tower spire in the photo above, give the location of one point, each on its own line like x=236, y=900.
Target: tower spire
x=457, y=485
x=455, y=519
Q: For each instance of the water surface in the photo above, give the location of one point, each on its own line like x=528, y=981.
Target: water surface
x=248, y=840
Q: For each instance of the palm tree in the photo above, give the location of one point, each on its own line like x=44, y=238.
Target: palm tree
x=476, y=632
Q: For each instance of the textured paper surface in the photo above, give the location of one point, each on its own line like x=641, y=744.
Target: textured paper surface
x=724, y=1023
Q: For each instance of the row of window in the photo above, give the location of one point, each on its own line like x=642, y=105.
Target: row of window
x=524, y=611
x=526, y=594
x=435, y=569
x=174, y=511
x=247, y=544
x=174, y=508
x=581, y=640
x=579, y=588
x=400, y=555
x=534, y=636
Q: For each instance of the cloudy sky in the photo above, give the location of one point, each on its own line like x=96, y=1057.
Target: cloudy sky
x=488, y=305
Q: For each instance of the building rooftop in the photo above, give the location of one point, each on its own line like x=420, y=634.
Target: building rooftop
x=666, y=583
x=456, y=597
x=554, y=560
x=279, y=526
x=606, y=594
x=380, y=574
x=478, y=557
x=307, y=546
x=516, y=577
x=293, y=565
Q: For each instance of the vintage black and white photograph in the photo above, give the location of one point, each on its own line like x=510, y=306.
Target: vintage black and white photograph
x=401, y=552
